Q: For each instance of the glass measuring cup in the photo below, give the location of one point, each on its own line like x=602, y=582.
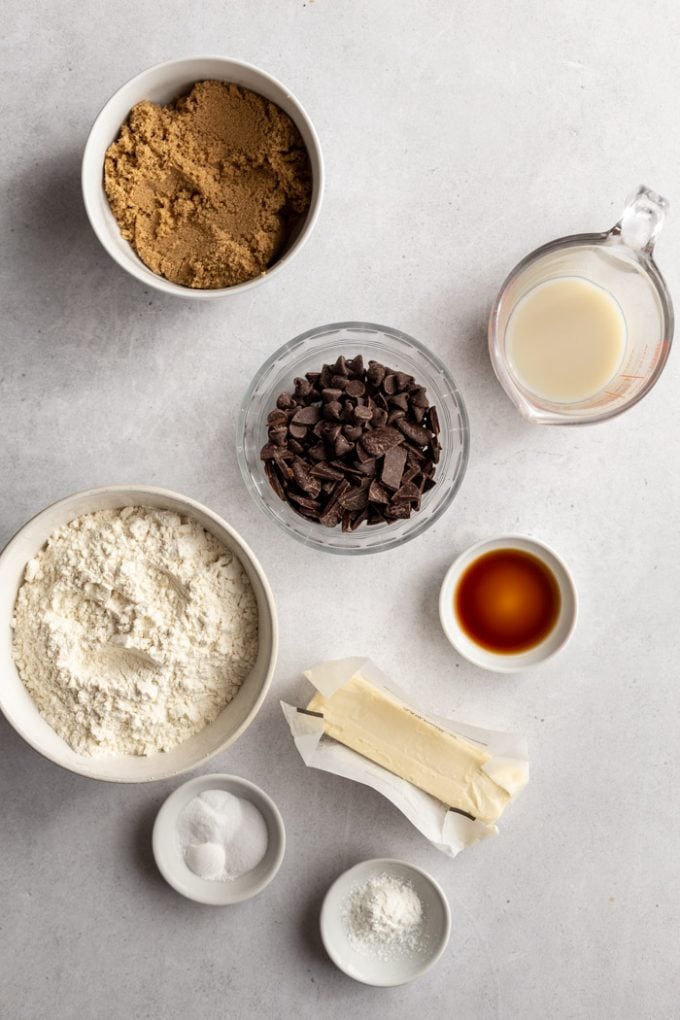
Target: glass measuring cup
x=620, y=262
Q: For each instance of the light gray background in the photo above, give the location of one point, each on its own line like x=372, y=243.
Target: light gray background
x=457, y=137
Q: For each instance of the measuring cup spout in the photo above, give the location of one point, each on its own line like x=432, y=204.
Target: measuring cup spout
x=641, y=221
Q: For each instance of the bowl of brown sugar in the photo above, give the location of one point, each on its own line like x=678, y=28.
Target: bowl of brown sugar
x=202, y=177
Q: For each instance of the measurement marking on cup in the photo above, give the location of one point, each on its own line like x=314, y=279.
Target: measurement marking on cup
x=624, y=376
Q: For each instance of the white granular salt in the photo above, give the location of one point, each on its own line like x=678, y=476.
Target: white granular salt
x=221, y=836
x=384, y=917
x=133, y=629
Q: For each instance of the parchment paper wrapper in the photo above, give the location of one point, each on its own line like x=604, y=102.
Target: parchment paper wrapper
x=449, y=830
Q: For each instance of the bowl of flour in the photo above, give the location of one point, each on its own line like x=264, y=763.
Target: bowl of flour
x=139, y=633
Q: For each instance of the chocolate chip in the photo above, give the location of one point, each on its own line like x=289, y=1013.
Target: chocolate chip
x=403, y=380
x=376, y=373
x=418, y=396
x=333, y=409
x=307, y=416
x=400, y=401
x=275, y=418
x=390, y=385
x=297, y=431
x=352, y=432
x=303, y=387
x=342, y=446
x=355, y=388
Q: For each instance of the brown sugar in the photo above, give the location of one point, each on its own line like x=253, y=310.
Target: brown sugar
x=208, y=188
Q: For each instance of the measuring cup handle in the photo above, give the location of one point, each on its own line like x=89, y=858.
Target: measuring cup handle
x=642, y=220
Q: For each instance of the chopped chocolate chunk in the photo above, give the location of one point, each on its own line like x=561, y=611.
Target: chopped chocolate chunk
x=327, y=472
x=354, y=499
x=434, y=419
x=393, y=467
x=305, y=501
x=377, y=493
x=274, y=480
x=380, y=440
x=397, y=511
x=416, y=433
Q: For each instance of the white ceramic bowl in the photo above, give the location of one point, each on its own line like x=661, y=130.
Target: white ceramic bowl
x=370, y=968
x=510, y=663
x=161, y=84
x=19, y=708
x=168, y=853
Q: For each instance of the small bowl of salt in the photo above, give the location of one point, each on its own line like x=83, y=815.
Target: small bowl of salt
x=219, y=839
x=385, y=922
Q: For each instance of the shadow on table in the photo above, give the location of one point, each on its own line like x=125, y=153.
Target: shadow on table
x=139, y=843
x=51, y=237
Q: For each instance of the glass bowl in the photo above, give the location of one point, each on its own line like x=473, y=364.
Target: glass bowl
x=307, y=353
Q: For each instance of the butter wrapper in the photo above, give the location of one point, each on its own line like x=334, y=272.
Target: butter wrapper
x=449, y=829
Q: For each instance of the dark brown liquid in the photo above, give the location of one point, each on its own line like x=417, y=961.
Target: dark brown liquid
x=507, y=601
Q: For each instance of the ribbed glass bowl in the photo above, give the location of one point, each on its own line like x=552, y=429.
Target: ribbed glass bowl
x=307, y=353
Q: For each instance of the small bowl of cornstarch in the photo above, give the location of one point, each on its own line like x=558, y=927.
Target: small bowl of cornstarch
x=385, y=922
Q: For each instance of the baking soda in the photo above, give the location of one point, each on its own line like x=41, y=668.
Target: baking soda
x=221, y=836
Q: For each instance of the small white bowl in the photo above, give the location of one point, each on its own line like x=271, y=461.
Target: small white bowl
x=19, y=708
x=162, y=84
x=168, y=852
x=504, y=662
x=372, y=969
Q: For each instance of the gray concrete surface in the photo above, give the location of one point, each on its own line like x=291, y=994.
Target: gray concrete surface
x=457, y=137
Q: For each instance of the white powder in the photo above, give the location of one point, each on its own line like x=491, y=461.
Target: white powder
x=221, y=836
x=133, y=629
x=384, y=917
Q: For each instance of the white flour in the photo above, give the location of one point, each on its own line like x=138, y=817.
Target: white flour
x=384, y=917
x=133, y=628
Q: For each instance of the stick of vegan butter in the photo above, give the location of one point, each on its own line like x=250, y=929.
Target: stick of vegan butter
x=383, y=729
